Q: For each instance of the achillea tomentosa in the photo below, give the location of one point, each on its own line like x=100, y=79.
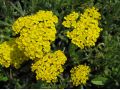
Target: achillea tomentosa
x=50, y=66
x=86, y=29
x=11, y=55
x=36, y=33
x=79, y=75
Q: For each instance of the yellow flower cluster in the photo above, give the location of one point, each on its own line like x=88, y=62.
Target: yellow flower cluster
x=50, y=66
x=79, y=75
x=36, y=33
x=71, y=20
x=86, y=30
x=11, y=55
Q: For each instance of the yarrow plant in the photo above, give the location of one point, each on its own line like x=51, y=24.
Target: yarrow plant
x=59, y=44
x=10, y=54
x=80, y=74
x=36, y=33
x=86, y=30
x=50, y=66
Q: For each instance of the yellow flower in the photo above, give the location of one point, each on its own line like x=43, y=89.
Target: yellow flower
x=49, y=67
x=79, y=75
x=70, y=20
x=86, y=30
x=37, y=32
x=11, y=55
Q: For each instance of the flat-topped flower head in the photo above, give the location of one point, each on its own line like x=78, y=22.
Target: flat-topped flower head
x=79, y=75
x=36, y=33
x=86, y=30
x=49, y=67
x=10, y=54
x=71, y=20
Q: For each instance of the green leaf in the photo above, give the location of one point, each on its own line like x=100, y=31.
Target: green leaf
x=18, y=7
x=4, y=23
x=99, y=80
x=3, y=78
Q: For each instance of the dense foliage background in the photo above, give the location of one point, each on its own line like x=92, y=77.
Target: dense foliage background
x=103, y=59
